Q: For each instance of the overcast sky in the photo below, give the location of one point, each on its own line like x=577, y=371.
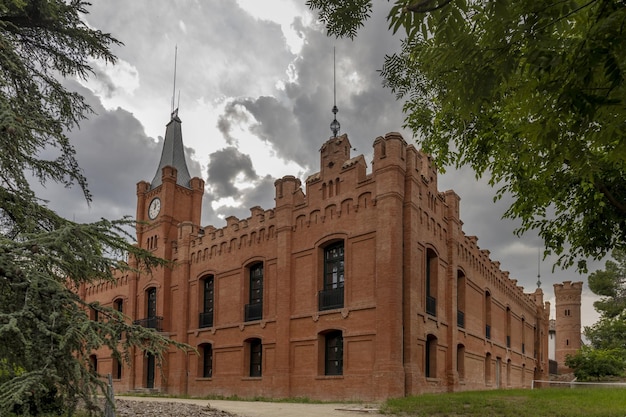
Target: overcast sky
x=254, y=86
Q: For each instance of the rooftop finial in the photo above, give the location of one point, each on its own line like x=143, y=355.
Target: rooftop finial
x=334, y=125
x=174, y=112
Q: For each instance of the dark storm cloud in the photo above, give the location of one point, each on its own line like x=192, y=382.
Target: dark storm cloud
x=261, y=195
x=275, y=126
x=114, y=153
x=224, y=167
x=233, y=114
x=296, y=121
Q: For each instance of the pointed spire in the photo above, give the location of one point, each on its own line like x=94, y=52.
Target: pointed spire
x=334, y=125
x=173, y=154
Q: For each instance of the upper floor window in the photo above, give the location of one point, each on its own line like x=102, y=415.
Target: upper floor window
x=487, y=315
x=332, y=292
x=254, y=309
x=208, y=299
x=432, y=264
x=333, y=266
x=118, y=305
x=460, y=299
x=151, y=320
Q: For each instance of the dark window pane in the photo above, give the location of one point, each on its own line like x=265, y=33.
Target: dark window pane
x=334, y=353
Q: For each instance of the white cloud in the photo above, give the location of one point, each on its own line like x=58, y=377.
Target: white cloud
x=282, y=12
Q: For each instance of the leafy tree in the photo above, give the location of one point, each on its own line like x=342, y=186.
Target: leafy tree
x=45, y=331
x=610, y=284
x=529, y=93
x=590, y=363
x=610, y=331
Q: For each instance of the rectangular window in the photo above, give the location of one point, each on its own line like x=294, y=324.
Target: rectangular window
x=256, y=353
x=334, y=353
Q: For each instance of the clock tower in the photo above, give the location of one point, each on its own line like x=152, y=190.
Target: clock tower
x=170, y=198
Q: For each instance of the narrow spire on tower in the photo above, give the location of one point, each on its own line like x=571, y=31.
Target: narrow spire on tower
x=174, y=112
x=334, y=125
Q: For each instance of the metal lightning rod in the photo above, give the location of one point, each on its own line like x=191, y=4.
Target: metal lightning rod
x=174, y=89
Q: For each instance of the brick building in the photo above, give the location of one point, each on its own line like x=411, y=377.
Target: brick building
x=356, y=285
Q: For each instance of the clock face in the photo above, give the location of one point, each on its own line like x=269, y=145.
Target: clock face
x=155, y=207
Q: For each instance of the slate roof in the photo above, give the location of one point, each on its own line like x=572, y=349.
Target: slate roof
x=173, y=154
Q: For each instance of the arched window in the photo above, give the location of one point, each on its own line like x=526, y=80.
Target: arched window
x=254, y=309
x=487, y=315
x=116, y=368
x=508, y=327
x=432, y=266
x=255, y=350
x=206, y=360
x=460, y=299
x=488, y=369
x=93, y=363
x=508, y=373
x=208, y=299
x=460, y=361
x=523, y=335
x=333, y=353
x=151, y=309
x=332, y=294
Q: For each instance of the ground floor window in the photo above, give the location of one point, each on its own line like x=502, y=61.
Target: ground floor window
x=430, y=359
x=206, y=352
x=256, y=357
x=333, y=363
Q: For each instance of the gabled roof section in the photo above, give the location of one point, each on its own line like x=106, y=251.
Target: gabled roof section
x=173, y=154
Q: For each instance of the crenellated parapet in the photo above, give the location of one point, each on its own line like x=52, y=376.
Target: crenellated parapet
x=480, y=263
x=238, y=234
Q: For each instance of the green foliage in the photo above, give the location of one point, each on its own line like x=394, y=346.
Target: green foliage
x=610, y=284
x=347, y=16
x=608, y=333
x=46, y=335
x=530, y=94
x=589, y=363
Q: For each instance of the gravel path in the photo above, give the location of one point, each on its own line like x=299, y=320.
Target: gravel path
x=179, y=407
x=130, y=408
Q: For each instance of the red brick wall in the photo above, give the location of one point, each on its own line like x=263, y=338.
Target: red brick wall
x=388, y=220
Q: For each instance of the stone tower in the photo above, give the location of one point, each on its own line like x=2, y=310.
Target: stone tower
x=568, y=340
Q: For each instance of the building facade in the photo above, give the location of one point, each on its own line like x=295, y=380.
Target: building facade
x=355, y=285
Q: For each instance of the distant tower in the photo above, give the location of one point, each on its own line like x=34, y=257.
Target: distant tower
x=568, y=339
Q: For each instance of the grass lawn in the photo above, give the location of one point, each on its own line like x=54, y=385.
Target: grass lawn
x=552, y=402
